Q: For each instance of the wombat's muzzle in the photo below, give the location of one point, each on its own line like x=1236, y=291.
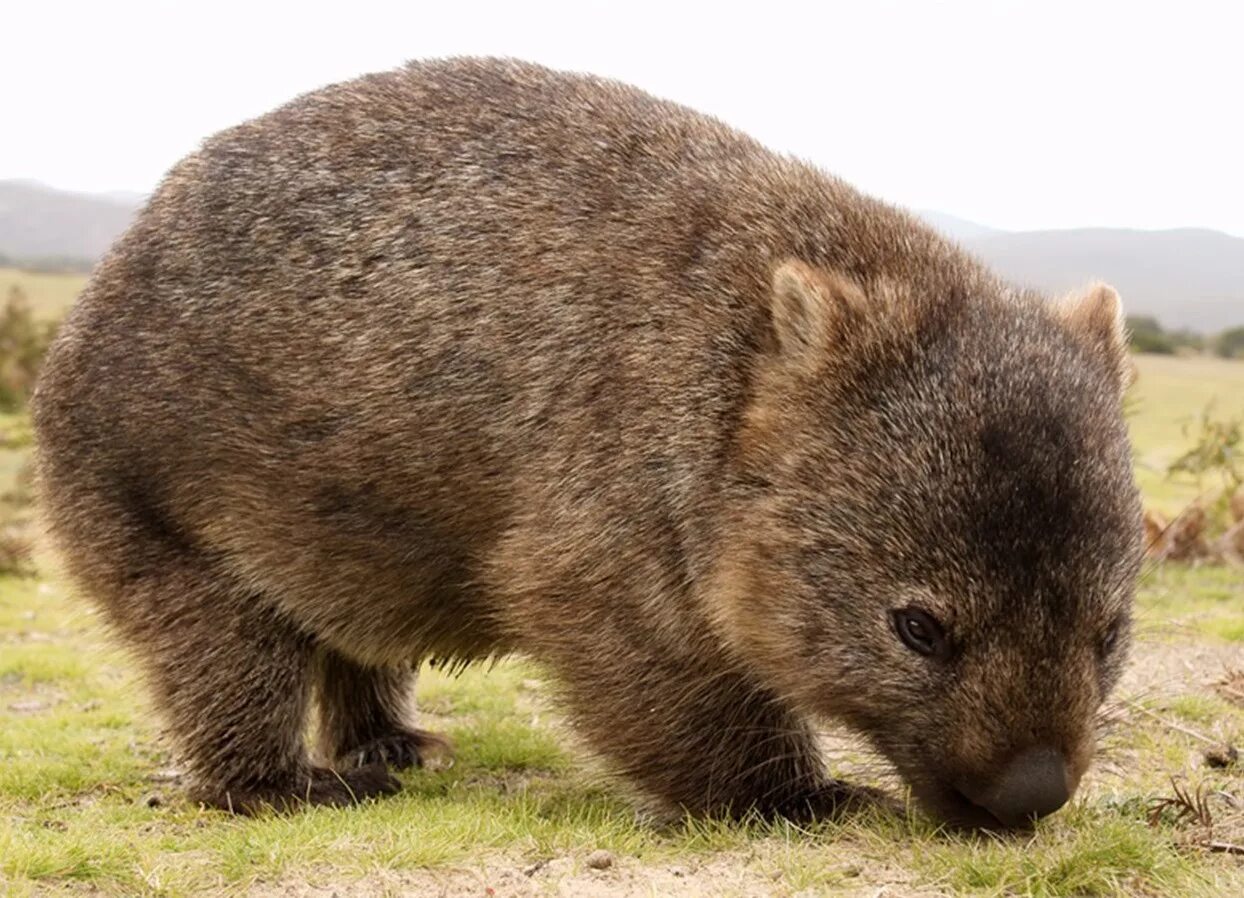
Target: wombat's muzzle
x=1034, y=783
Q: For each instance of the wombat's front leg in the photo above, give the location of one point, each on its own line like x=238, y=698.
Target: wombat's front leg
x=704, y=738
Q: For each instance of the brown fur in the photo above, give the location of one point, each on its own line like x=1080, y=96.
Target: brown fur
x=473, y=357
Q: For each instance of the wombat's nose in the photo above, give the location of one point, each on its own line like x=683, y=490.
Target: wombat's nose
x=1032, y=785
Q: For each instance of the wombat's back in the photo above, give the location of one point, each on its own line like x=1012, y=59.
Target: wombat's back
x=356, y=339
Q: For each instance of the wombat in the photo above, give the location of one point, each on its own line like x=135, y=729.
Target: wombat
x=474, y=358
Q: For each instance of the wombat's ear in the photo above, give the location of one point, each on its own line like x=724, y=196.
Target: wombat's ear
x=811, y=307
x=1096, y=317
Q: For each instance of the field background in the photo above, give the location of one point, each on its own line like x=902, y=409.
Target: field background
x=90, y=799
x=1165, y=404
x=50, y=295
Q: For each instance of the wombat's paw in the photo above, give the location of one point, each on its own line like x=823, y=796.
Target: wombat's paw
x=400, y=750
x=317, y=787
x=837, y=799
x=345, y=787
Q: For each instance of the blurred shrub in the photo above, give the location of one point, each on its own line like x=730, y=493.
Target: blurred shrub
x=23, y=342
x=1230, y=343
x=1146, y=335
x=1217, y=450
x=16, y=551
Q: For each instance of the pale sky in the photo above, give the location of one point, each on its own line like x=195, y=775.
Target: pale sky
x=1013, y=114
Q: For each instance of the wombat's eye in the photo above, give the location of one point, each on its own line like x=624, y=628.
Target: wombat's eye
x=920, y=632
x=1110, y=639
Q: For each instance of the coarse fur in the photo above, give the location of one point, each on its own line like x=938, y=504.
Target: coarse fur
x=473, y=357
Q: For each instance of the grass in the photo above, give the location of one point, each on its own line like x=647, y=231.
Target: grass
x=1193, y=602
x=82, y=799
x=89, y=800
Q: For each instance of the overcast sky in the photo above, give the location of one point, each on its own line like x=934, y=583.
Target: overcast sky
x=1013, y=114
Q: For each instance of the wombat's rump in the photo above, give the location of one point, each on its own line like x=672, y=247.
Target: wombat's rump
x=474, y=357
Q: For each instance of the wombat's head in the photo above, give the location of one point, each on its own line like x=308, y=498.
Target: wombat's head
x=937, y=531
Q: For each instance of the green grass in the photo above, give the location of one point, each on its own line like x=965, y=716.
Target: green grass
x=86, y=803
x=1203, y=602
x=50, y=295
x=80, y=757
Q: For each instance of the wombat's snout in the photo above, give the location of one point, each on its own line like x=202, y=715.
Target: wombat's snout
x=1033, y=784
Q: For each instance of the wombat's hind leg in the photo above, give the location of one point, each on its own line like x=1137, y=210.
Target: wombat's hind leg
x=232, y=676
x=363, y=716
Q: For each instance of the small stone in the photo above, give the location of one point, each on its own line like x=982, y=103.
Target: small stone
x=600, y=859
x=1222, y=756
x=29, y=706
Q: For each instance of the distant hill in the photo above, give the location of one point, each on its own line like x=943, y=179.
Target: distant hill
x=39, y=222
x=1186, y=278
x=956, y=228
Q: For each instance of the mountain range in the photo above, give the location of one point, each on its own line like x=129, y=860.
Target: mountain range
x=38, y=222
x=1187, y=278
